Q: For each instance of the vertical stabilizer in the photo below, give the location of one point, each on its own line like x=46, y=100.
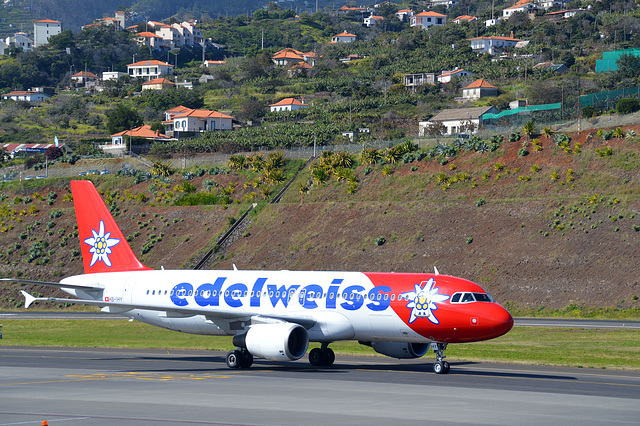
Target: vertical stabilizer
x=104, y=248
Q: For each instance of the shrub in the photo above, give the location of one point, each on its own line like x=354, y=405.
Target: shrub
x=604, y=152
x=480, y=202
x=523, y=152
x=627, y=105
x=380, y=241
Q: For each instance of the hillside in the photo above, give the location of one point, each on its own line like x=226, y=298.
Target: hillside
x=557, y=227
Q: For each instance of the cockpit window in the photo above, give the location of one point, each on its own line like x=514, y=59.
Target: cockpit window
x=468, y=297
x=483, y=297
x=456, y=298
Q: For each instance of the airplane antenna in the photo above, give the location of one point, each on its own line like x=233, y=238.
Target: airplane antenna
x=235, y=268
x=436, y=270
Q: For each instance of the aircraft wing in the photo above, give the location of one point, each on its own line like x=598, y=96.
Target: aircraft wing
x=116, y=307
x=51, y=284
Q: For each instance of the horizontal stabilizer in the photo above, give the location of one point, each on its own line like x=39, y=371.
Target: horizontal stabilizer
x=28, y=299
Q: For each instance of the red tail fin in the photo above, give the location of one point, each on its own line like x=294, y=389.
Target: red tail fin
x=104, y=248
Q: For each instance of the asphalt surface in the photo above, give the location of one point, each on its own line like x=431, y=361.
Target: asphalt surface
x=126, y=387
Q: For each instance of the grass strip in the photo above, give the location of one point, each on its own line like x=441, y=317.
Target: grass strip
x=572, y=347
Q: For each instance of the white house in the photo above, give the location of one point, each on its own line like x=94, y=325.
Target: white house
x=446, y=76
x=26, y=95
x=412, y=81
x=149, y=70
x=287, y=104
x=85, y=78
x=200, y=120
x=43, y=29
x=149, y=39
x=210, y=64
x=371, y=20
x=454, y=119
x=112, y=75
x=479, y=89
x=425, y=20
x=492, y=45
x=464, y=18
x=343, y=37
x=404, y=14
x=20, y=41
x=3, y=47
x=158, y=84
x=287, y=56
x=526, y=6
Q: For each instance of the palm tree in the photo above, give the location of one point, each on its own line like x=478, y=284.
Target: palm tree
x=547, y=132
x=529, y=128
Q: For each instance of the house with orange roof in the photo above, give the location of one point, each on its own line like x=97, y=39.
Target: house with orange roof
x=158, y=84
x=428, y=19
x=85, y=78
x=493, y=45
x=43, y=29
x=464, y=18
x=287, y=57
x=371, y=20
x=144, y=131
x=298, y=68
x=526, y=6
x=347, y=9
x=211, y=64
x=198, y=120
x=287, y=104
x=149, y=39
x=149, y=70
x=479, y=89
x=404, y=14
x=446, y=76
x=343, y=37
x=26, y=95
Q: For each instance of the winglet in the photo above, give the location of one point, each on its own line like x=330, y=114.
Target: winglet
x=28, y=299
x=436, y=270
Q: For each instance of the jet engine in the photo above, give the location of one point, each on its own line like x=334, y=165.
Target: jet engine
x=400, y=350
x=276, y=342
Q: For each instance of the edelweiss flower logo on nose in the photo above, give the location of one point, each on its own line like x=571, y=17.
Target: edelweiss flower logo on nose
x=422, y=301
x=101, y=245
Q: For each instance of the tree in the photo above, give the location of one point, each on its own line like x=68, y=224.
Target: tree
x=122, y=118
x=157, y=126
x=53, y=152
x=529, y=128
x=435, y=129
x=628, y=66
x=252, y=109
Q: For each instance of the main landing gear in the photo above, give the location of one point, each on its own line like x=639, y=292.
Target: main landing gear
x=440, y=366
x=239, y=358
x=322, y=356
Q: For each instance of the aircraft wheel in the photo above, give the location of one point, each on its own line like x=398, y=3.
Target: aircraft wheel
x=446, y=366
x=247, y=359
x=329, y=356
x=438, y=368
x=316, y=357
x=234, y=359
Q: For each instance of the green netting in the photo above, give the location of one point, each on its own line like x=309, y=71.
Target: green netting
x=528, y=108
x=608, y=61
x=607, y=99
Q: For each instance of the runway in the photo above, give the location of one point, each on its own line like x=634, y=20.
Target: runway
x=142, y=387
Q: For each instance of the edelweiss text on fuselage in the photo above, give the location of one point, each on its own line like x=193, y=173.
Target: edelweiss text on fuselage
x=211, y=294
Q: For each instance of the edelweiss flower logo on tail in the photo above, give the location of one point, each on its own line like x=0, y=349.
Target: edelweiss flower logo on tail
x=101, y=245
x=422, y=301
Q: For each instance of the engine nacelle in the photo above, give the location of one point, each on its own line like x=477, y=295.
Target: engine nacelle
x=400, y=350
x=275, y=342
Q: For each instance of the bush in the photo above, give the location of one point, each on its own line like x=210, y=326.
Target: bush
x=589, y=111
x=523, y=152
x=380, y=241
x=628, y=105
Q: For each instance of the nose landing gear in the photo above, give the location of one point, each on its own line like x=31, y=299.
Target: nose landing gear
x=440, y=366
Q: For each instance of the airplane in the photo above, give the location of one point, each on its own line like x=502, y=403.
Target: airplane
x=275, y=314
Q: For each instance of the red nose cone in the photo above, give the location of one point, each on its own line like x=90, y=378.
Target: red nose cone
x=500, y=321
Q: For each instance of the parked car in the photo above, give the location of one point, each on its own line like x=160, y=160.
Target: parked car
x=82, y=174
x=93, y=172
x=41, y=176
x=104, y=171
x=29, y=177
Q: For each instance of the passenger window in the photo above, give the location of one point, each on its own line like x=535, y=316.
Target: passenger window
x=468, y=297
x=455, y=298
x=153, y=293
x=393, y=297
x=147, y=292
x=195, y=293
